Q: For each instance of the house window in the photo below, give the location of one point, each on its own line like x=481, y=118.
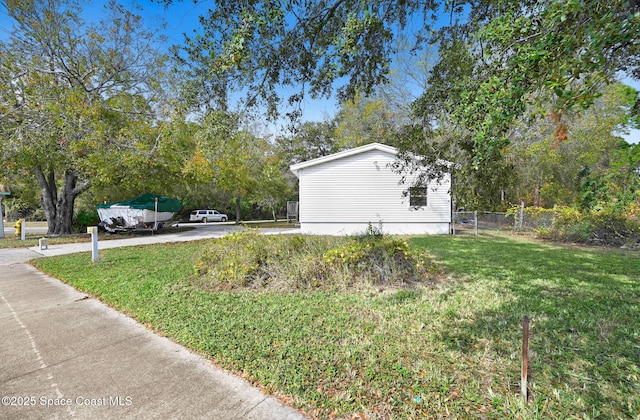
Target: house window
x=418, y=196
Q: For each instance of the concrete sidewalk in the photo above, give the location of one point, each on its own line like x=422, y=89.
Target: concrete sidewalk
x=66, y=355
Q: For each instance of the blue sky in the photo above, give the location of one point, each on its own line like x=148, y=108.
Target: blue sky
x=634, y=135
x=182, y=17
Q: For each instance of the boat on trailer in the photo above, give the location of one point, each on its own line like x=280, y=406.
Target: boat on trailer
x=145, y=212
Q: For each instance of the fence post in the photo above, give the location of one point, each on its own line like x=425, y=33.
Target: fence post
x=521, y=213
x=525, y=360
x=475, y=221
x=453, y=222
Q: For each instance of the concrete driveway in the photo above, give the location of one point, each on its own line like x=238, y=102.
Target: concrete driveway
x=200, y=232
x=64, y=354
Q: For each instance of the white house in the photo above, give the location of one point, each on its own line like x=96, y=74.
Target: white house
x=341, y=194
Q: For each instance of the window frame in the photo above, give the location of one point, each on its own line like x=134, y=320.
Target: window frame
x=418, y=197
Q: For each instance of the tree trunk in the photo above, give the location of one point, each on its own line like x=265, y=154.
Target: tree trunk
x=58, y=208
x=536, y=194
x=238, y=209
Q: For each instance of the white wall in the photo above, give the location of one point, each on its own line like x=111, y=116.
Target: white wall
x=342, y=196
x=388, y=228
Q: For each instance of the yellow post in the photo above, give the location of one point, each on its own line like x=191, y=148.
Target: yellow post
x=18, y=227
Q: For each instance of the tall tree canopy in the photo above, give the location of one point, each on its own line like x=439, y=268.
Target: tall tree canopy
x=311, y=140
x=549, y=172
x=564, y=51
x=494, y=55
x=235, y=162
x=263, y=45
x=366, y=120
x=75, y=99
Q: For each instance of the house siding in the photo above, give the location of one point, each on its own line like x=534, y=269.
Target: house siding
x=345, y=195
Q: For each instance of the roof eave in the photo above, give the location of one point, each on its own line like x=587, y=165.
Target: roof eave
x=345, y=153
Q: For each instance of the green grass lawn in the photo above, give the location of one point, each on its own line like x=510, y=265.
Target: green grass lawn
x=444, y=349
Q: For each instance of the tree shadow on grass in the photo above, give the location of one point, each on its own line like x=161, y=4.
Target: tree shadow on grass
x=584, y=305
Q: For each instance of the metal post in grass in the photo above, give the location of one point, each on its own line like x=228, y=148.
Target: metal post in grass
x=521, y=214
x=453, y=222
x=475, y=221
x=155, y=216
x=93, y=230
x=23, y=232
x=525, y=360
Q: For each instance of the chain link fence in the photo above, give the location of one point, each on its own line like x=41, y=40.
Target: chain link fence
x=472, y=222
x=524, y=219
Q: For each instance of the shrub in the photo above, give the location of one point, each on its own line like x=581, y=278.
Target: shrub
x=296, y=262
x=249, y=259
x=534, y=217
x=570, y=225
x=378, y=261
x=84, y=218
x=38, y=216
x=606, y=226
x=611, y=227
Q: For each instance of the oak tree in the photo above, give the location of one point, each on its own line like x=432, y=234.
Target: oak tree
x=72, y=97
x=493, y=54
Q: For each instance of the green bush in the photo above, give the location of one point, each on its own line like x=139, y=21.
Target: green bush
x=38, y=216
x=84, y=218
x=296, y=262
x=378, y=261
x=249, y=259
x=609, y=226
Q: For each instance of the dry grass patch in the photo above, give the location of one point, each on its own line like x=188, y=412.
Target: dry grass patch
x=248, y=259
